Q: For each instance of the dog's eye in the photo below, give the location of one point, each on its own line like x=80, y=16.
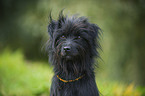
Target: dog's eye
x=79, y=37
x=63, y=36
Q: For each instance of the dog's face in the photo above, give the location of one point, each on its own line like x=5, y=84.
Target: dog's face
x=70, y=44
x=72, y=38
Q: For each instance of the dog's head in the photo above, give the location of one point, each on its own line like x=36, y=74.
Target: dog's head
x=72, y=38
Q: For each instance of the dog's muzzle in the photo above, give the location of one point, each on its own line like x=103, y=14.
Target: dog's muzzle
x=67, y=52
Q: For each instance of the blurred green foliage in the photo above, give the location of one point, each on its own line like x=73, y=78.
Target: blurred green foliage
x=20, y=77
x=23, y=25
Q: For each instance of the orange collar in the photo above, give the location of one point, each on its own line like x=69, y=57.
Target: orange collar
x=66, y=81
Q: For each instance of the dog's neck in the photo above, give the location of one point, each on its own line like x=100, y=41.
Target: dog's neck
x=72, y=69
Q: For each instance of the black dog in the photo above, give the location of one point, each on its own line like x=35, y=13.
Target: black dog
x=72, y=48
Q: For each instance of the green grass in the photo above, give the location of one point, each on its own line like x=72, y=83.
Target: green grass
x=19, y=77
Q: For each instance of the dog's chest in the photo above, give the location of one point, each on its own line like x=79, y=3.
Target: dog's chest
x=69, y=89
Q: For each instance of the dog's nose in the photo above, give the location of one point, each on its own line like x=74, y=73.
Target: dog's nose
x=67, y=48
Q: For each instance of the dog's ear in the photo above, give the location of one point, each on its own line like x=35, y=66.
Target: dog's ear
x=61, y=19
x=96, y=30
x=96, y=35
x=55, y=24
x=51, y=26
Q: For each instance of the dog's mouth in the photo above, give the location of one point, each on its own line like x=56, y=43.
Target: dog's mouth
x=69, y=52
x=67, y=56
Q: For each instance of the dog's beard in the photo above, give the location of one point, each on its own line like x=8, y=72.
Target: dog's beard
x=73, y=64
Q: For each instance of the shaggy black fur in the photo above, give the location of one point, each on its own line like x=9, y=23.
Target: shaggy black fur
x=73, y=44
